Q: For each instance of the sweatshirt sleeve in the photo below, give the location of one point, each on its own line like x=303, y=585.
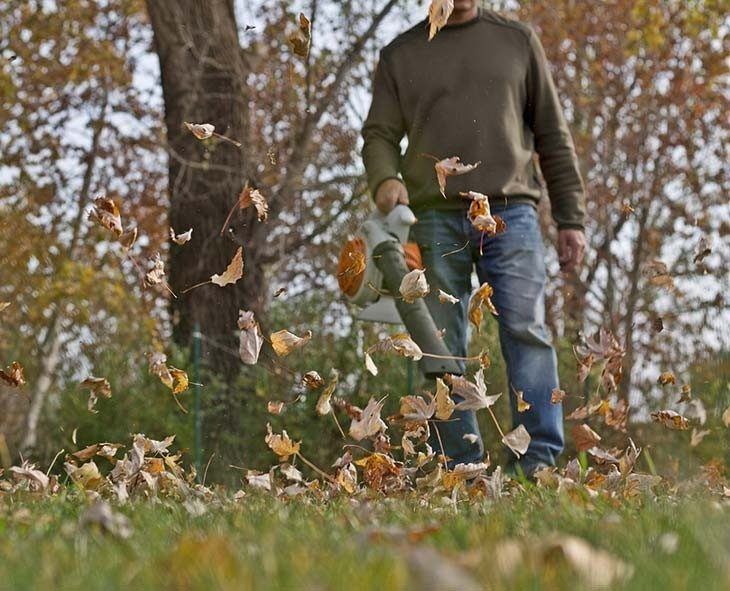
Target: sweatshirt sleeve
x=383, y=130
x=553, y=143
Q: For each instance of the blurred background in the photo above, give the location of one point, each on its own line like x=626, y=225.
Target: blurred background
x=93, y=96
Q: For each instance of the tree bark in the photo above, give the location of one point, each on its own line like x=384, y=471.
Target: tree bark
x=203, y=81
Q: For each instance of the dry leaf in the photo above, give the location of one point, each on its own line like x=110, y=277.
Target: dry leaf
x=522, y=404
x=438, y=14
x=98, y=387
x=480, y=215
x=251, y=338
x=482, y=296
x=202, y=131
x=249, y=197
x=671, y=420
x=284, y=342
x=106, y=213
x=369, y=423
x=323, y=404
x=415, y=408
x=302, y=37
x=474, y=394
x=518, y=440
x=312, y=380
x=4, y=305
x=157, y=274
x=180, y=381
x=102, y=515
x=451, y=167
x=470, y=437
x=281, y=445
x=557, y=396
x=181, y=238
x=128, y=239
x=698, y=436
x=233, y=272
x=370, y=364
x=445, y=298
x=13, y=375
x=703, y=249
x=726, y=417
x=275, y=407
x=584, y=437
x=158, y=366
x=445, y=405
x=414, y=286
x=666, y=377
x=686, y=394
x=87, y=475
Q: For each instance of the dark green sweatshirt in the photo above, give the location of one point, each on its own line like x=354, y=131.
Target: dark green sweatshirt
x=480, y=90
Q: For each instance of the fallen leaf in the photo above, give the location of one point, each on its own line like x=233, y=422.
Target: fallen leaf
x=445, y=298
x=202, y=131
x=233, y=272
x=251, y=338
x=369, y=423
x=584, y=437
x=284, y=342
x=106, y=213
x=87, y=475
x=13, y=375
x=438, y=13
x=518, y=440
x=181, y=238
x=462, y=473
x=98, y=387
x=481, y=297
x=101, y=515
x=414, y=286
x=451, y=167
x=301, y=38
x=281, y=445
x=37, y=480
x=671, y=420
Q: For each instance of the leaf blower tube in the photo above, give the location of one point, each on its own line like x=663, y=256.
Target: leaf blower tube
x=391, y=262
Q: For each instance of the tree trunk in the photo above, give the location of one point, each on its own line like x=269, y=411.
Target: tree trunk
x=203, y=81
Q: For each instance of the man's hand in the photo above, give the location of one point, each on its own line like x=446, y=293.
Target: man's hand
x=390, y=193
x=571, y=248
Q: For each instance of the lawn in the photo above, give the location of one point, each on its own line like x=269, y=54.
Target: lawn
x=530, y=538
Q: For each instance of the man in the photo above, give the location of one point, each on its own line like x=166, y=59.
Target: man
x=481, y=90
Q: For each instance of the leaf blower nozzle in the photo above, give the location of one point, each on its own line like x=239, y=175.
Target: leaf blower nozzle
x=390, y=260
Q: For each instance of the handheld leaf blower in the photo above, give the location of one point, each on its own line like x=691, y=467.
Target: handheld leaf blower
x=371, y=267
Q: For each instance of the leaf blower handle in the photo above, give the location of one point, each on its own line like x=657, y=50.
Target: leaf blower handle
x=390, y=261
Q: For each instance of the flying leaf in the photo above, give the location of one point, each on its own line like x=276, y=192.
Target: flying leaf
x=671, y=420
x=128, y=238
x=13, y=375
x=312, y=380
x=447, y=298
x=284, y=342
x=275, y=407
x=481, y=297
x=666, y=377
x=370, y=364
x=249, y=197
x=281, y=445
x=518, y=440
x=202, y=131
x=726, y=417
x=106, y=213
x=97, y=387
x=445, y=405
x=480, y=214
x=233, y=272
x=474, y=394
x=180, y=381
x=702, y=250
x=522, y=404
x=584, y=437
x=323, y=404
x=156, y=275
x=686, y=394
x=158, y=366
x=557, y=396
x=4, y=305
x=698, y=436
x=301, y=38
x=438, y=13
x=451, y=167
x=251, y=338
x=416, y=409
x=414, y=286
x=181, y=238
x=369, y=423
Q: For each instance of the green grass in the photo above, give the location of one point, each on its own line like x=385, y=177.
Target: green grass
x=264, y=543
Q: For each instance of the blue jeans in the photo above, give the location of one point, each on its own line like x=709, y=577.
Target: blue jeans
x=514, y=265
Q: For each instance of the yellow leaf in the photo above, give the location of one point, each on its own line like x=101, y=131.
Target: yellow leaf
x=233, y=272
x=284, y=342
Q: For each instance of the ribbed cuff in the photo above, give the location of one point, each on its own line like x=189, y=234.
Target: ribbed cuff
x=571, y=226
